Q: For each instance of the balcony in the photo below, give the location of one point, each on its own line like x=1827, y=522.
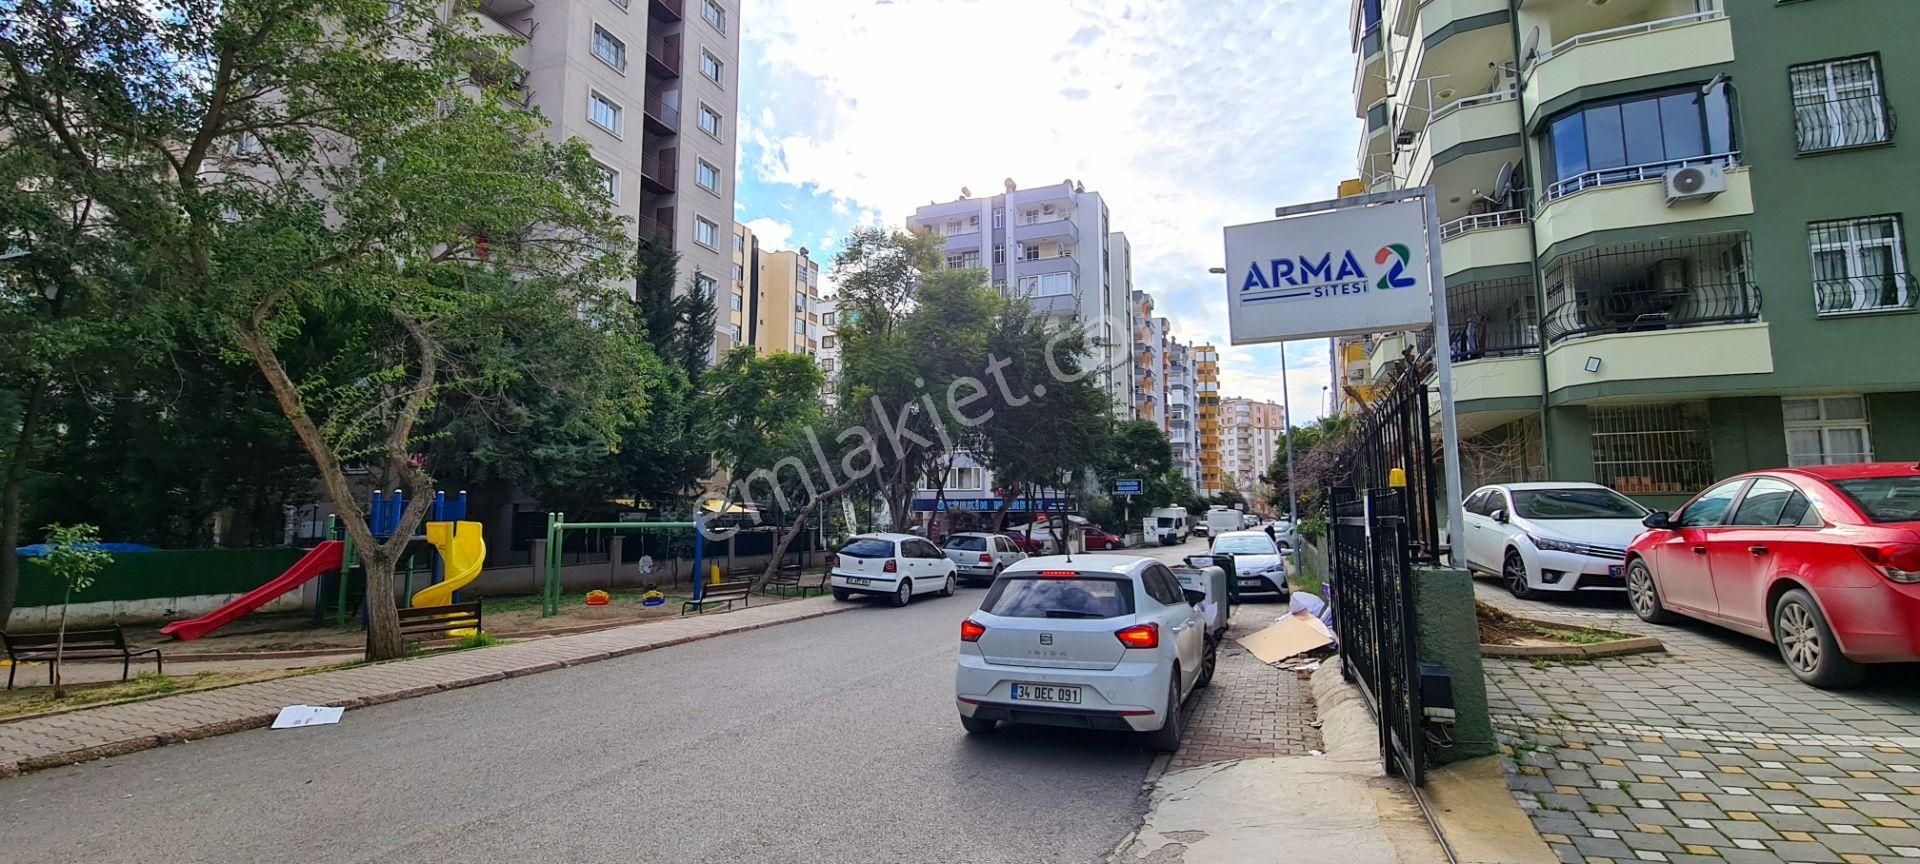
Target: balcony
x=1370, y=72
x=666, y=10
x=663, y=55
x=504, y=10
x=656, y=229
x=1626, y=52
x=1485, y=240
x=1043, y=266
x=968, y=240
x=1634, y=197
x=657, y=171
x=1059, y=230
x=661, y=118
x=1063, y=305
x=1461, y=147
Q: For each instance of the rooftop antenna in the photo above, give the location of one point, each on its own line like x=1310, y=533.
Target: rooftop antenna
x=1010, y=184
x=965, y=193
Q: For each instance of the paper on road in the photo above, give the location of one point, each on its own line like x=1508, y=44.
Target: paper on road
x=1290, y=636
x=296, y=716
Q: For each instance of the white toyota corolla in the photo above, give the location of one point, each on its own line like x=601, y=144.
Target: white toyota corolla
x=1094, y=642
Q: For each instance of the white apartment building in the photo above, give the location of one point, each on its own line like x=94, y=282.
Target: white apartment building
x=1183, y=411
x=654, y=91
x=1251, y=432
x=828, y=355
x=1150, y=337
x=1054, y=246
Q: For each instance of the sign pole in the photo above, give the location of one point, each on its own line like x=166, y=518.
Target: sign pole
x=1443, y=369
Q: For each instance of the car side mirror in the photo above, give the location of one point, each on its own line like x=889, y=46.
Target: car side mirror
x=1658, y=519
x=1500, y=516
x=1195, y=598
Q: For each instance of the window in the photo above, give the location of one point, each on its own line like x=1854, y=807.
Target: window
x=705, y=233
x=1827, y=430
x=247, y=144
x=739, y=273
x=999, y=254
x=1885, y=499
x=707, y=176
x=1054, y=597
x=967, y=544
x=734, y=302
x=1711, y=507
x=965, y=478
x=1773, y=502
x=1612, y=142
x=999, y=218
x=610, y=183
x=609, y=48
x=827, y=341
x=1652, y=449
x=739, y=242
x=1575, y=504
x=1029, y=253
x=1048, y=285
x=799, y=326
x=603, y=112
x=735, y=330
x=1839, y=104
x=704, y=284
x=711, y=67
x=709, y=121
x=714, y=14
x=1163, y=586
x=1859, y=265
x=963, y=261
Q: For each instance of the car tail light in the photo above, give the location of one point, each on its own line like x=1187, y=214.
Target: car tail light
x=985, y=558
x=833, y=561
x=971, y=630
x=893, y=566
x=1059, y=574
x=1140, y=636
x=1899, y=562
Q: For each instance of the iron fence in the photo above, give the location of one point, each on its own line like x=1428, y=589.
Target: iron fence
x=1392, y=446
x=1374, y=602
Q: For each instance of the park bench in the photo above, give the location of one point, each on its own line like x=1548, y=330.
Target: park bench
x=736, y=591
x=794, y=577
x=81, y=645
x=432, y=622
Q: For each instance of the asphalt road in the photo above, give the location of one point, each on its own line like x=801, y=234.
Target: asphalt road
x=829, y=740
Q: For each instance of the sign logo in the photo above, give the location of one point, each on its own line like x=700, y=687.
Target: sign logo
x=1397, y=275
x=1046, y=638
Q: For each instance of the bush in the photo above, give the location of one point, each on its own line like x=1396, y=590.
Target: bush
x=1313, y=528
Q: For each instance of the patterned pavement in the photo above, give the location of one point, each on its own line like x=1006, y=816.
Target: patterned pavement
x=1711, y=752
x=1252, y=709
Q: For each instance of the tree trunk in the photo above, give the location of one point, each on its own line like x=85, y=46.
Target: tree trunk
x=799, y=524
x=10, y=507
x=60, y=645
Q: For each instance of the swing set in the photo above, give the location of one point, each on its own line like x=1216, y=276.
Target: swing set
x=557, y=528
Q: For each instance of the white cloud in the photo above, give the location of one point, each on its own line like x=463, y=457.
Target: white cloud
x=774, y=235
x=1184, y=116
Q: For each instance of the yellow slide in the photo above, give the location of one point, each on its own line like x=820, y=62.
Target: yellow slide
x=462, y=551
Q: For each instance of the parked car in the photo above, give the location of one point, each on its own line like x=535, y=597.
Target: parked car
x=1168, y=526
x=1257, y=562
x=980, y=557
x=1559, y=537
x=1249, y=521
x=1285, y=535
x=1027, y=545
x=1822, y=561
x=1102, y=642
x=1098, y=540
x=1220, y=520
x=1048, y=535
x=895, y=566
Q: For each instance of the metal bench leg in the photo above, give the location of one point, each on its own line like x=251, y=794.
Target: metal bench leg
x=126, y=666
x=159, y=664
x=12, y=667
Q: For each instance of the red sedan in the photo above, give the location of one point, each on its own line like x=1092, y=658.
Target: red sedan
x=1822, y=561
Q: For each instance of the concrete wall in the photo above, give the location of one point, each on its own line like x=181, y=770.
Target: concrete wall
x=1450, y=637
x=33, y=619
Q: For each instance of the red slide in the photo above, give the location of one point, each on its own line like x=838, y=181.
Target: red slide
x=318, y=560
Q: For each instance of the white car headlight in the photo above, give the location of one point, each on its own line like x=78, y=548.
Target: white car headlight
x=1548, y=544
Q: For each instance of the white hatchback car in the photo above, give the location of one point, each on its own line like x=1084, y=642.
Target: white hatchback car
x=1095, y=642
x=1559, y=537
x=896, y=566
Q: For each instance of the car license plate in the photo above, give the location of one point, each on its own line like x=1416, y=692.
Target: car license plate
x=1614, y=571
x=1250, y=583
x=855, y=580
x=1047, y=693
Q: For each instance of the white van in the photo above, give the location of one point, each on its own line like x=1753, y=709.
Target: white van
x=1168, y=525
x=1221, y=519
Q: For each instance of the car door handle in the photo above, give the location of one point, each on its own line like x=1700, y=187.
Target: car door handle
x=1757, y=550
x=1699, y=550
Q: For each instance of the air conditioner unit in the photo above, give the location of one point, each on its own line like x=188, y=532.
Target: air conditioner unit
x=1695, y=183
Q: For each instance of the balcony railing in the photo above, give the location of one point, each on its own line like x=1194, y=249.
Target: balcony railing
x=660, y=117
x=1885, y=293
x=663, y=55
x=1629, y=30
x=651, y=229
x=1493, y=319
x=1482, y=222
x=1634, y=173
x=667, y=10
x=657, y=170
x=1648, y=309
x=1503, y=95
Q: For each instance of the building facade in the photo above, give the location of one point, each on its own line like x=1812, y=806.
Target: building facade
x=1206, y=386
x=1250, y=437
x=1673, y=230
x=1054, y=247
x=1150, y=341
x=828, y=358
x=734, y=318
x=785, y=310
x=1183, y=411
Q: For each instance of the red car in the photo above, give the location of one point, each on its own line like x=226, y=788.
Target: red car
x=1097, y=539
x=1028, y=545
x=1822, y=561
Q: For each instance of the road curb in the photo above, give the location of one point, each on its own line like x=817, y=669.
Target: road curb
x=256, y=719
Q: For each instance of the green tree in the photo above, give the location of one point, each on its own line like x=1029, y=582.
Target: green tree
x=262, y=162
x=1314, y=445
x=73, y=558
x=1051, y=421
x=665, y=457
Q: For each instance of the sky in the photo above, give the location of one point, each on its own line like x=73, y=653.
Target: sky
x=1185, y=115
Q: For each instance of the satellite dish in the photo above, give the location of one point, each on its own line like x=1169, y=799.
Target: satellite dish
x=1530, y=51
x=965, y=192
x=1503, y=182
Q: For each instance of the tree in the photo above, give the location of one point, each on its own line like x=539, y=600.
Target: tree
x=262, y=162
x=1315, y=446
x=877, y=271
x=73, y=558
x=1052, y=424
x=665, y=457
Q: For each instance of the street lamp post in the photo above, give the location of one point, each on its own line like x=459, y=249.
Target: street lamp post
x=1286, y=422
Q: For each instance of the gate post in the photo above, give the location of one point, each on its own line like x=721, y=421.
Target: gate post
x=1449, y=627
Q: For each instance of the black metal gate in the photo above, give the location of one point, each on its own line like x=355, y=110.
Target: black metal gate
x=1373, y=592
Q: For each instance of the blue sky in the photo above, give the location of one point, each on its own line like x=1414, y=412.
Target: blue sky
x=1186, y=115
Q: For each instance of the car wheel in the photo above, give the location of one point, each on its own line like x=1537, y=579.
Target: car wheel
x=977, y=725
x=1166, y=739
x=842, y=594
x=947, y=589
x=1515, y=575
x=1644, y=596
x=901, y=594
x=1808, y=646
x=1207, y=664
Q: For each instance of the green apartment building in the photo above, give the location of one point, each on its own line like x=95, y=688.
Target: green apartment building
x=1695, y=262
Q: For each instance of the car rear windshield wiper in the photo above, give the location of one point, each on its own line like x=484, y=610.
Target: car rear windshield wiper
x=1071, y=613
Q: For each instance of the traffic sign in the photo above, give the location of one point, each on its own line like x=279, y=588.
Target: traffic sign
x=1128, y=487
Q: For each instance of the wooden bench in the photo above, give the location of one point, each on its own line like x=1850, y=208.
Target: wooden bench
x=736, y=591
x=795, y=578
x=433, y=622
x=81, y=645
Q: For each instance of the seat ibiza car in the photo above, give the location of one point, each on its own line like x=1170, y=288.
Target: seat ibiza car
x=894, y=566
x=980, y=557
x=1559, y=537
x=1095, y=642
x=1822, y=561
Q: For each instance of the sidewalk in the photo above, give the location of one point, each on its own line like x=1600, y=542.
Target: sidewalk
x=35, y=743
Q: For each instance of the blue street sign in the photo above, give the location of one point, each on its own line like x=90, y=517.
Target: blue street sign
x=1128, y=487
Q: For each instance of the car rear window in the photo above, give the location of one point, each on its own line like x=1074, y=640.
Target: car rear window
x=1885, y=499
x=868, y=549
x=967, y=544
x=1043, y=597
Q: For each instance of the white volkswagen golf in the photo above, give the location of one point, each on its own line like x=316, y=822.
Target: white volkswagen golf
x=894, y=566
x=1094, y=642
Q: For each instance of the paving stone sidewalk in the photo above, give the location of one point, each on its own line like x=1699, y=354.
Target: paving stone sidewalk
x=1252, y=709
x=60, y=739
x=1711, y=752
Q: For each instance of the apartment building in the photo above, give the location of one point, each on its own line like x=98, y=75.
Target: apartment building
x=1183, y=411
x=828, y=358
x=784, y=313
x=1150, y=340
x=1054, y=247
x=1206, y=386
x=654, y=92
x=1673, y=231
x=734, y=318
x=1251, y=432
